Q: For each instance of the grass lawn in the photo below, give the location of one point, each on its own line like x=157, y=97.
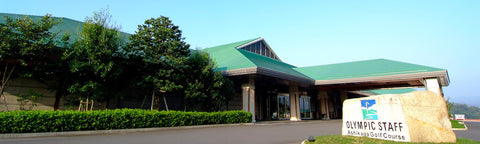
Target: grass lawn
x=336, y=139
x=456, y=124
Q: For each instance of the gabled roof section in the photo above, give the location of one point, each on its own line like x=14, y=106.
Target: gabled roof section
x=371, y=70
x=228, y=58
x=274, y=67
x=233, y=60
x=261, y=47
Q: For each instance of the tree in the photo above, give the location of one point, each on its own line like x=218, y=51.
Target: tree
x=27, y=47
x=206, y=89
x=163, y=51
x=449, y=106
x=93, y=58
x=471, y=112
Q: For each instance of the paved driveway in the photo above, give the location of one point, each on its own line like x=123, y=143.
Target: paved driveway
x=472, y=133
x=276, y=132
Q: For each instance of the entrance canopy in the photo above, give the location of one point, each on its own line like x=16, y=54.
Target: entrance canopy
x=373, y=74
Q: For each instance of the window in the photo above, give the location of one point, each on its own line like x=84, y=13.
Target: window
x=261, y=49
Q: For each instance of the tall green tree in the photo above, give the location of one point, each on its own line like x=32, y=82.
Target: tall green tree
x=206, y=89
x=27, y=47
x=93, y=58
x=163, y=51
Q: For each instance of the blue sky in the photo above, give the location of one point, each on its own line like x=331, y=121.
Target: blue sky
x=438, y=33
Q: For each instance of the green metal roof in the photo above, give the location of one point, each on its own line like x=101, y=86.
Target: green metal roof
x=272, y=64
x=359, y=69
x=229, y=58
x=68, y=25
x=391, y=91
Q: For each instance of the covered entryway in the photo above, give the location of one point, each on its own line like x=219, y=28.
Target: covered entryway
x=337, y=82
x=271, y=89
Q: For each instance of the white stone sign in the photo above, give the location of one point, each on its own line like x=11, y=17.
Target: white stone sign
x=420, y=116
x=379, y=117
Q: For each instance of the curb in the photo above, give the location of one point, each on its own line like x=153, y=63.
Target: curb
x=459, y=129
x=466, y=128
x=109, y=132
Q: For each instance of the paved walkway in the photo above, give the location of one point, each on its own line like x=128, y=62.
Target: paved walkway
x=274, y=132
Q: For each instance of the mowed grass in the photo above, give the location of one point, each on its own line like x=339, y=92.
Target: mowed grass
x=339, y=139
x=457, y=124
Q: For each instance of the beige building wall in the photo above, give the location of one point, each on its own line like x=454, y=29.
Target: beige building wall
x=21, y=86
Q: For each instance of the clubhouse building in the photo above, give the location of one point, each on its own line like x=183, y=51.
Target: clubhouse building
x=273, y=90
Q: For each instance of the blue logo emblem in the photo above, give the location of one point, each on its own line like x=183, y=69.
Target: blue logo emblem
x=369, y=109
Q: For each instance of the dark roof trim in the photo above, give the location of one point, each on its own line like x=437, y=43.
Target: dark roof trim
x=268, y=72
x=249, y=43
x=243, y=71
x=282, y=75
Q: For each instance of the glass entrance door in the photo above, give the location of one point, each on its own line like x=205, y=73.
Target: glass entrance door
x=305, y=112
x=280, y=107
x=283, y=107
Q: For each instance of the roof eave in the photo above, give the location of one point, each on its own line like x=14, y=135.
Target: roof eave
x=282, y=75
x=442, y=75
x=249, y=43
x=268, y=72
x=364, y=93
x=242, y=71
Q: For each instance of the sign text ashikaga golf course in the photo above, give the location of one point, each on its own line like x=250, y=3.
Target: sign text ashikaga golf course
x=399, y=117
x=370, y=126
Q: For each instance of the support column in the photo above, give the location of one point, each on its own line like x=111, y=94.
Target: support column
x=248, y=97
x=343, y=97
x=294, y=103
x=433, y=85
x=323, y=97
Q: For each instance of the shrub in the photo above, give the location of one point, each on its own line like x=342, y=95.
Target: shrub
x=58, y=121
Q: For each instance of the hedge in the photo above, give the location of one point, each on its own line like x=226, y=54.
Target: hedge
x=58, y=121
